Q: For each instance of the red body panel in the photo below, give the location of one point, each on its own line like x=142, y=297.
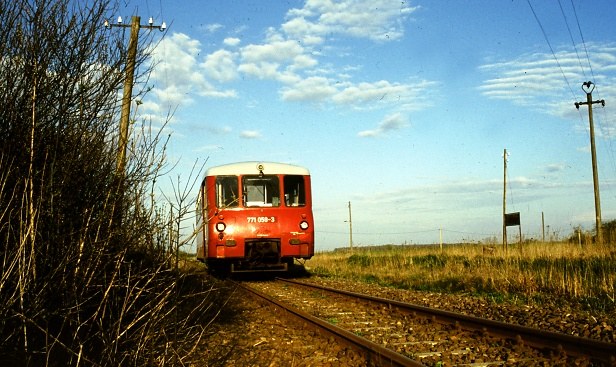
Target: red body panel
x=248, y=228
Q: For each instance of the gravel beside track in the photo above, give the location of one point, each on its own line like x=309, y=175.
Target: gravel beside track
x=251, y=334
x=422, y=339
x=256, y=336
x=564, y=315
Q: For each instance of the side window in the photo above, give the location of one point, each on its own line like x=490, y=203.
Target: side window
x=199, y=205
x=261, y=191
x=294, y=190
x=227, y=192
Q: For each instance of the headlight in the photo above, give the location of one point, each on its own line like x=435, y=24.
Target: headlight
x=303, y=225
x=220, y=226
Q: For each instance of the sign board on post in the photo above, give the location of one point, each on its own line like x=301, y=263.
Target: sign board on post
x=512, y=219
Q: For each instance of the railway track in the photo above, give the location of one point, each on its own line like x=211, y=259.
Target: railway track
x=389, y=332
x=375, y=354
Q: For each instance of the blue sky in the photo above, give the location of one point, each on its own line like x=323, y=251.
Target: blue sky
x=402, y=108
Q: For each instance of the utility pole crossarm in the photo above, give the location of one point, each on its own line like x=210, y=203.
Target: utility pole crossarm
x=578, y=104
x=150, y=24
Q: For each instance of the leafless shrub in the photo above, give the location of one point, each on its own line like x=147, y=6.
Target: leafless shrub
x=77, y=286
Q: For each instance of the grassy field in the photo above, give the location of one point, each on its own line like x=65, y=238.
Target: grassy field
x=533, y=270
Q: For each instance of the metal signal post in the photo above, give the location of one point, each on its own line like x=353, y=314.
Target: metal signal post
x=588, y=87
x=135, y=26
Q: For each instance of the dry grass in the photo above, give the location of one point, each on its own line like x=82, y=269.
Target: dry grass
x=90, y=270
x=532, y=270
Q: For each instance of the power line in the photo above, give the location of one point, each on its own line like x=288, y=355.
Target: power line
x=408, y=232
x=583, y=42
x=380, y=233
x=601, y=126
x=562, y=11
x=550, y=46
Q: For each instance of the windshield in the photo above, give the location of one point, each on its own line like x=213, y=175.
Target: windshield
x=261, y=191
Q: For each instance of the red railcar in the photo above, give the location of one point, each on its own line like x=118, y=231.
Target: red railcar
x=255, y=216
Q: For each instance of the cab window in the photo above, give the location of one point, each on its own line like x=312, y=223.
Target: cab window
x=294, y=190
x=227, y=192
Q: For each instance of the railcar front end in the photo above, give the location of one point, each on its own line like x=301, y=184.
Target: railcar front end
x=255, y=216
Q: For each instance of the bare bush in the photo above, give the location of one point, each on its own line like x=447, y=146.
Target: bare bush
x=77, y=286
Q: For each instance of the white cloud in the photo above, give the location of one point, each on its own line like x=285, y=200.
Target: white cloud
x=275, y=60
x=179, y=75
x=466, y=191
x=310, y=89
x=303, y=61
x=218, y=130
x=378, y=20
x=208, y=148
x=359, y=94
x=220, y=66
x=305, y=31
x=551, y=82
x=290, y=55
x=231, y=41
x=214, y=27
x=390, y=123
x=277, y=51
x=262, y=70
x=250, y=134
x=172, y=95
x=364, y=95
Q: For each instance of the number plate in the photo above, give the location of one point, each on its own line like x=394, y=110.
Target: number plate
x=261, y=219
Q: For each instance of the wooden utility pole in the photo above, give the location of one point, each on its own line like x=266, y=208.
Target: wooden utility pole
x=588, y=87
x=350, y=228
x=542, y=228
x=504, y=200
x=131, y=56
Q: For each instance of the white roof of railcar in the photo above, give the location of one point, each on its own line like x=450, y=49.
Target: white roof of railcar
x=252, y=168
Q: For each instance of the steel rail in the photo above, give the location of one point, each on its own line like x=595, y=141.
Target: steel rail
x=376, y=354
x=574, y=345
